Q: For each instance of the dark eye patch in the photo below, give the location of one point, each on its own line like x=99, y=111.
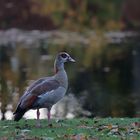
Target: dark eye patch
x=63, y=55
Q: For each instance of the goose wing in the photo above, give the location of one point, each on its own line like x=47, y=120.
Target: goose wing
x=38, y=88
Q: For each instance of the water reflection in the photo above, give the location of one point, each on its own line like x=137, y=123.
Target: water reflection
x=104, y=82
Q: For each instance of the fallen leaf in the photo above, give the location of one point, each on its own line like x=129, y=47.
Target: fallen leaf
x=85, y=126
x=136, y=124
x=25, y=130
x=5, y=126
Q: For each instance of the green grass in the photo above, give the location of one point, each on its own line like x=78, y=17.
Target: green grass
x=74, y=129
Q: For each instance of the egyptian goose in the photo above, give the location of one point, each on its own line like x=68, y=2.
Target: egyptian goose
x=45, y=92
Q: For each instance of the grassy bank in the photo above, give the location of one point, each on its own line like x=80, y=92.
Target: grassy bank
x=75, y=129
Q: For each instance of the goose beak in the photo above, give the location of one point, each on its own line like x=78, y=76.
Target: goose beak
x=71, y=59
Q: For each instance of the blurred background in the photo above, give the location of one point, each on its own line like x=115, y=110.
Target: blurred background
x=102, y=36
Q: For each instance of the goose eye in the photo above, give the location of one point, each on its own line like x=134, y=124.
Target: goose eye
x=63, y=55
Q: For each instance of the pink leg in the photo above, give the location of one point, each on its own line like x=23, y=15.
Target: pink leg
x=38, y=121
x=49, y=115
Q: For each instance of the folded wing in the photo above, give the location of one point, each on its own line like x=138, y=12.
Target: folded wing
x=38, y=88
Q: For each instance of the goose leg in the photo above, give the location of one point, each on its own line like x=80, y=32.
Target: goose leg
x=49, y=115
x=38, y=121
